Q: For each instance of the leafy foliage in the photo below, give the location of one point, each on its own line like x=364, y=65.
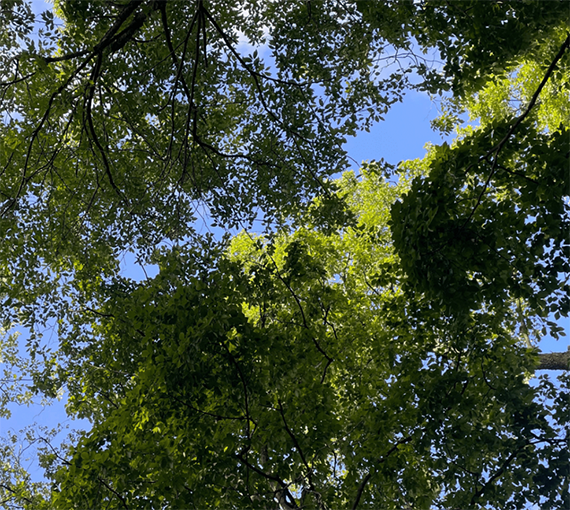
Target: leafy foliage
x=489, y=222
x=296, y=369
x=365, y=350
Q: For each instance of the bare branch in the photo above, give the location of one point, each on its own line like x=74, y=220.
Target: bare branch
x=554, y=360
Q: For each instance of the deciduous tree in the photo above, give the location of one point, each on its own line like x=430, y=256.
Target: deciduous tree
x=367, y=350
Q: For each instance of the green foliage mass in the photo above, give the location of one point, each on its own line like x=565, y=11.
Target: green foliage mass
x=489, y=222
x=295, y=368
x=365, y=350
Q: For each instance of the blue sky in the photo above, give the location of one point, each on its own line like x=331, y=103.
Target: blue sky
x=403, y=134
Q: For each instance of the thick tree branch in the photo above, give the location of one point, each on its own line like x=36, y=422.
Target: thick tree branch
x=554, y=360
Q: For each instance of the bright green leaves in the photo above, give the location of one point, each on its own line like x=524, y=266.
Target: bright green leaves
x=154, y=113
x=185, y=363
x=17, y=489
x=130, y=121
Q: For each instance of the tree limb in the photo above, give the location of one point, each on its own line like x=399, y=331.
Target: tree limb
x=554, y=360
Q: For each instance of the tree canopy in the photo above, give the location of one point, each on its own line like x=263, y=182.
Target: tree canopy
x=371, y=346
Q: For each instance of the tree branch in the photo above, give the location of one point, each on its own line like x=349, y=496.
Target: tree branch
x=495, y=150
x=554, y=360
x=365, y=480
